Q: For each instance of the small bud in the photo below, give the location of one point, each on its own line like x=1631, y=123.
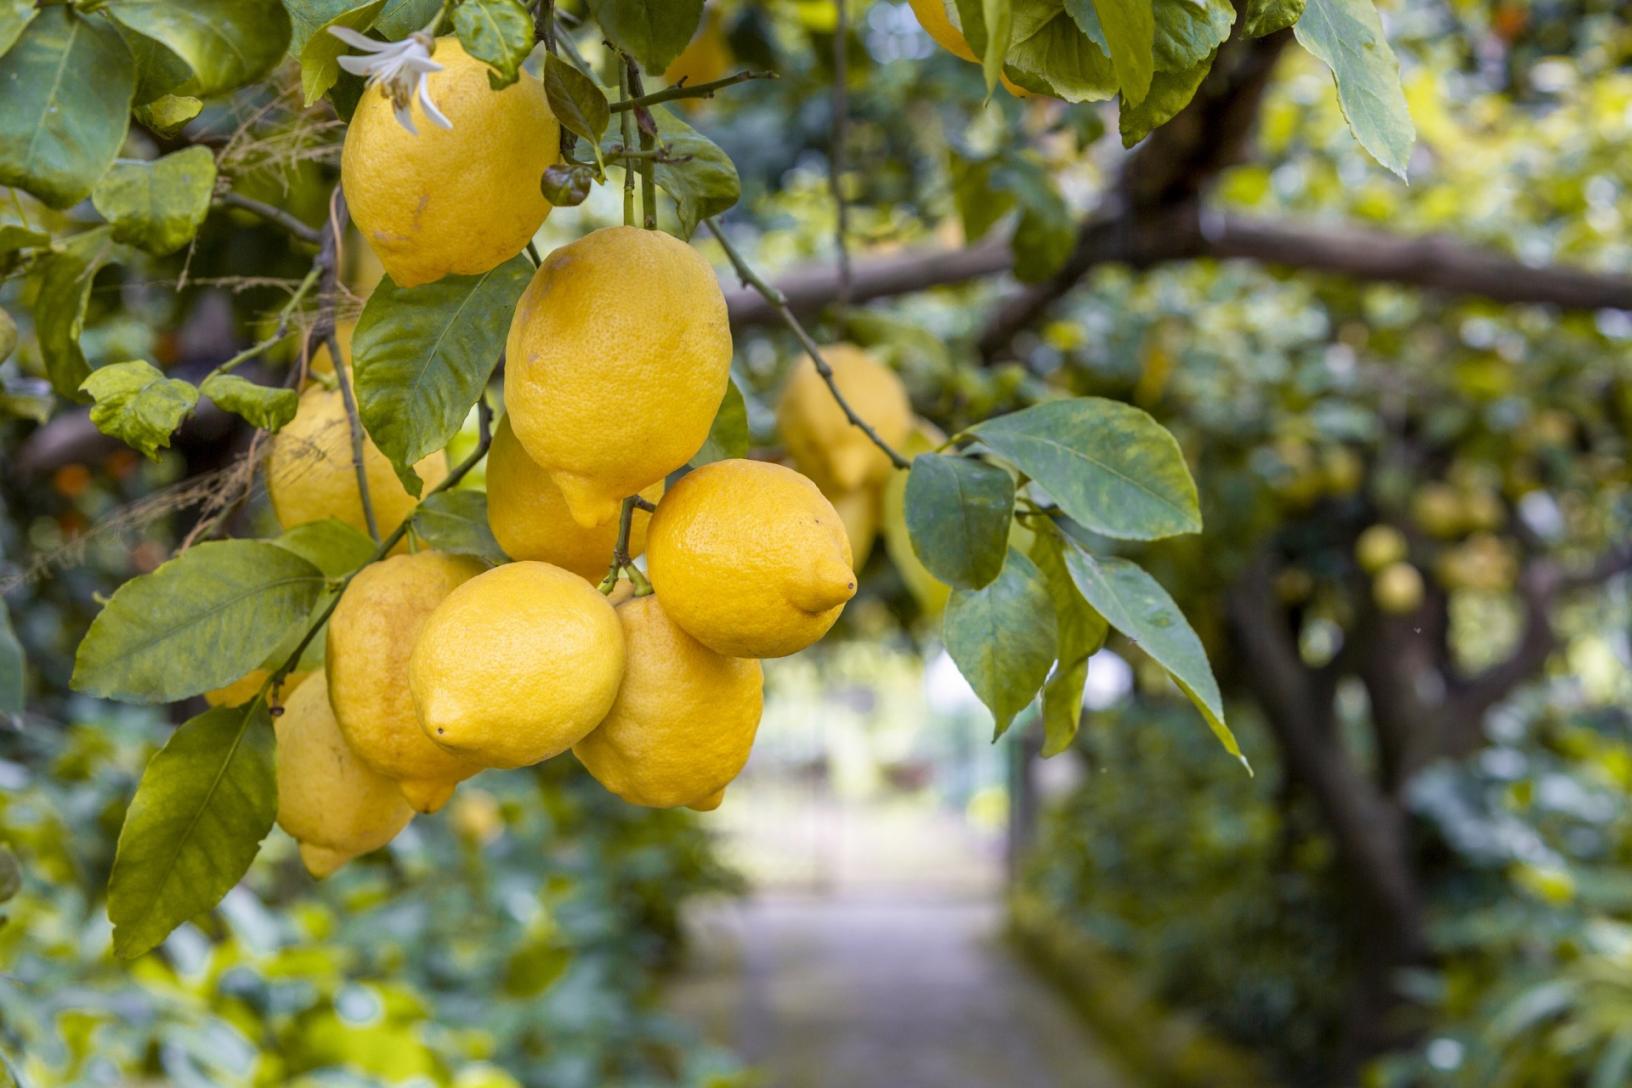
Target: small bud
x=567, y=186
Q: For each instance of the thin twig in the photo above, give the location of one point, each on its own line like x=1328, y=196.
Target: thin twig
x=648, y=140
x=686, y=90
x=309, y=235
x=627, y=129
x=329, y=259
x=484, y=426
x=779, y=303
x=836, y=154
x=621, y=560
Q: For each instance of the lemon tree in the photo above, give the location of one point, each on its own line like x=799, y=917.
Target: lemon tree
x=459, y=130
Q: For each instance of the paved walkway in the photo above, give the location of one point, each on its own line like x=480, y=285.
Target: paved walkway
x=882, y=982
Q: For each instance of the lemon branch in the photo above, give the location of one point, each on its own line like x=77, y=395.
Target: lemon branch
x=779, y=303
x=686, y=90
x=484, y=439
x=626, y=127
x=307, y=234
x=328, y=259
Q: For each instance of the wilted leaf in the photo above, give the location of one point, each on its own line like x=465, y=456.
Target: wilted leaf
x=261, y=406
x=1002, y=638
x=703, y=182
x=204, y=804
x=137, y=404
x=1135, y=604
x=456, y=521
x=157, y=205
x=199, y=622
x=499, y=33
x=1109, y=465
x=1348, y=36
x=958, y=512
x=728, y=437
x=69, y=83
x=654, y=32
x=422, y=355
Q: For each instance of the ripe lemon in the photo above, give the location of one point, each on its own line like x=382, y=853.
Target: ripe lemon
x=824, y=444
x=451, y=201
x=617, y=360
x=530, y=519
x=750, y=559
x=684, y=719
x=321, y=364
x=329, y=800
x=705, y=59
x=371, y=635
x=859, y=510
x=937, y=23
x=245, y=688
x=310, y=475
x=517, y=665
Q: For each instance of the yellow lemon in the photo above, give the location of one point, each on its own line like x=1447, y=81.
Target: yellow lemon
x=243, y=689
x=458, y=200
x=825, y=445
x=371, y=635
x=530, y=519
x=709, y=803
x=329, y=800
x=859, y=510
x=321, y=364
x=684, y=719
x=517, y=665
x=750, y=559
x=704, y=60
x=310, y=474
x=617, y=360
x=937, y=23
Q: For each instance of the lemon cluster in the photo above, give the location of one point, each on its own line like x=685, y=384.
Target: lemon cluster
x=437, y=667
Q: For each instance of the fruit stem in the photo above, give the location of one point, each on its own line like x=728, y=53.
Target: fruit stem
x=626, y=126
x=648, y=139
x=620, y=551
x=779, y=302
x=689, y=90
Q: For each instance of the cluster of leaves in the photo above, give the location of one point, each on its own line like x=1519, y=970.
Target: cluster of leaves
x=514, y=940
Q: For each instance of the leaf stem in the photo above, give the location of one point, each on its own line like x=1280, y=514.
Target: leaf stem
x=620, y=550
x=779, y=303
x=688, y=90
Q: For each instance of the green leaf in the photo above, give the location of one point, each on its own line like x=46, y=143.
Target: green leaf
x=1135, y=604
x=456, y=521
x=199, y=621
x=308, y=17
x=205, y=802
x=728, y=437
x=1188, y=31
x=261, y=406
x=704, y=182
x=157, y=205
x=958, y=512
x=1170, y=92
x=1348, y=36
x=1080, y=633
x=1002, y=638
x=1049, y=53
x=69, y=83
x=59, y=307
x=331, y=546
x=499, y=33
x=11, y=666
x=654, y=32
x=137, y=404
x=422, y=355
x=168, y=114
x=575, y=100
x=224, y=44
x=400, y=18
x=15, y=15
x=988, y=27
x=1130, y=32
x=1109, y=465
x=320, y=55
x=1265, y=17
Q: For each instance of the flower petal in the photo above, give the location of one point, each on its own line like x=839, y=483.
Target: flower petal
x=358, y=41
x=405, y=118
x=437, y=117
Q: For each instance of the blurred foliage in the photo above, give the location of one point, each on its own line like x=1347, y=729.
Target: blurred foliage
x=514, y=939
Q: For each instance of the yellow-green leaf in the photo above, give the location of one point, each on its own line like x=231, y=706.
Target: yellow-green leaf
x=137, y=404
x=157, y=205
x=1002, y=638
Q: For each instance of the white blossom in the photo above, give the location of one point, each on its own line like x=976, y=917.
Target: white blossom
x=400, y=69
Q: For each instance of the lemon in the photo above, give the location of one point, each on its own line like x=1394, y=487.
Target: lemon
x=859, y=510
x=1397, y=588
x=517, y=665
x=530, y=519
x=456, y=201
x=709, y=803
x=329, y=800
x=245, y=688
x=617, y=360
x=371, y=635
x=684, y=719
x=310, y=474
x=705, y=59
x=750, y=559
x=825, y=445
x=321, y=364
x=937, y=23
